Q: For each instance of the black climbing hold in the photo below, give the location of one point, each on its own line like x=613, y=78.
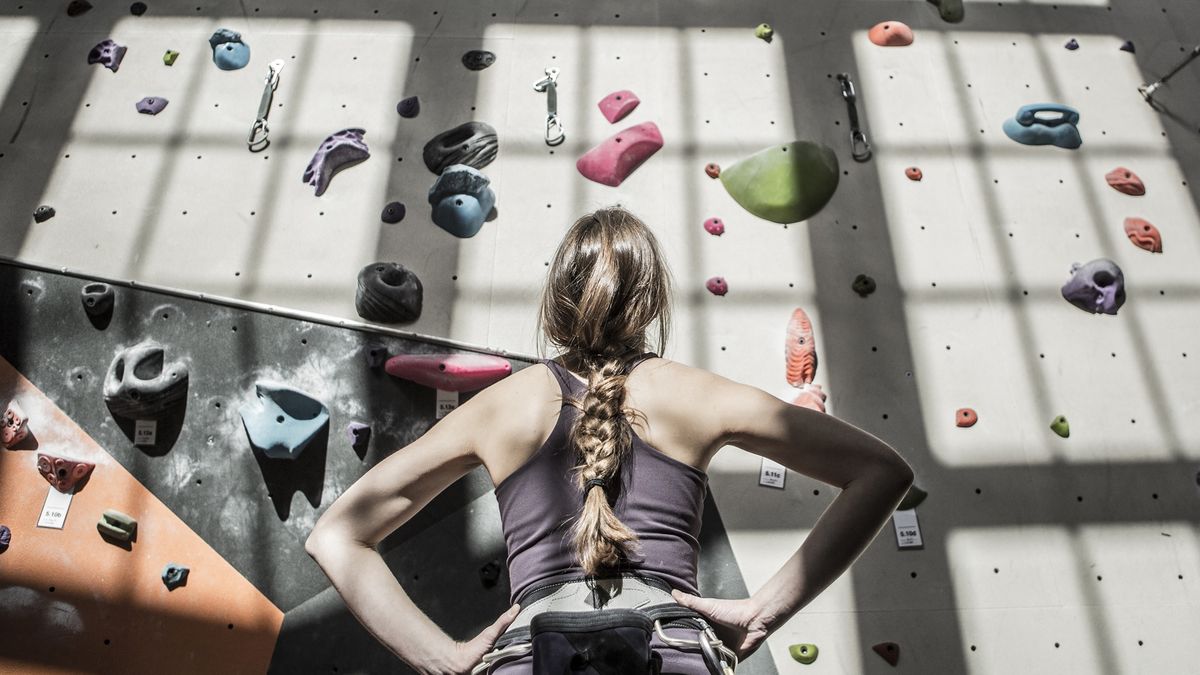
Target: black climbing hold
x=489, y=574
x=388, y=292
x=1128, y=47
x=43, y=213
x=863, y=285
x=409, y=107
x=393, y=213
x=478, y=59
x=137, y=8
x=77, y=7
x=97, y=299
x=890, y=651
x=174, y=575
x=473, y=143
x=376, y=355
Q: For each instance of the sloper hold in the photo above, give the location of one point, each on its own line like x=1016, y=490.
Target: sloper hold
x=107, y=54
x=43, y=213
x=281, y=420
x=229, y=51
x=472, y=143
x=1126, y=181
x=1096, y=287
x=1031, y=126
x=890, y=651
x=174, y=575
x=409, y=107
x=912, y=499
x=140, y=384
x=393, y=213
x=784, y=183
x=16, y=425
x=804, y=653
x=616, y=157
x=800, y=352
x=450, y=372
x=478, y=59
x=965, y=417
x=891, y=34
x=1060, y=426
x=388, y=292
x=951, y=11
x=717, y=285
x=1143, y=234
x=461, y=200
x=117, y=525
x=62, y=472
x=77, y=7
x=714, y=226
x=338, y=151
x=618, y=104
x=151, y=105
x=98, y=299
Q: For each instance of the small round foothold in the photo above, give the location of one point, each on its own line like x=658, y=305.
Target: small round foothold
x=890, y=651
x=478, y=59
x=1128, y=47
x=914, y=173
x=1072, y=44
x=393, y=213
x=409, y=107
x=1059, y=426
x=717, y=286
x=714, y=226
x=863, y=285
x=804, y=653
x=966, y=417
x=43, y=213
x=763, y=31
x=137, y=8
x=713, y=170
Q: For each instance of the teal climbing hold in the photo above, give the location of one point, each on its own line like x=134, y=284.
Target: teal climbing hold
x=913, y=499
x=1045, y=124
x=1060, y=426
x=280, y=421
x=804, y=653
x=784, y=183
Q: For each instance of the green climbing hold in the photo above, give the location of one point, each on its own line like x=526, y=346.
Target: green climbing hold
x=784, y=183
x=804, y=653
x=950, y=10
x=913, y=499
x=1060, y=426
x=170, y=56
x=764, y=32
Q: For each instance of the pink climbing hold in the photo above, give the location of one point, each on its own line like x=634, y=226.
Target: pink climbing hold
x=891, y=34
x=16, y=426
x=1143, y=234
x=449, y=372
x=914, y=173
x=618, y=104
x=966, y=417
x=1124, y=180
x=63, y=473
x=612, y=161
x=714, y=226
x=713, y=170
x=717, y=286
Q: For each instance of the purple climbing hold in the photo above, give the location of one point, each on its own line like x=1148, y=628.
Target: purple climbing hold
x=409, y=107
x=107, y=54
x=618, y=104
x=5, y=538
x=393, y=213
x=43, y=213
x=360, y=434
x=137, y=8
x=338, y=151
x=1097, y=287
x=77, y=7
x=1072, y=44
x=1128, y=46
x=717, y=286
x=151, y=105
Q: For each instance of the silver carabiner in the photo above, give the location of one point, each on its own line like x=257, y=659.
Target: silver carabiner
x=549, y=84
x=259, y=131
x=860, y=149
x=715, y=652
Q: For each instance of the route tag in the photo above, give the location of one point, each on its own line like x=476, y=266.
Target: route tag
x=908, y=532
x=54, y=511
x=145, y=432
x=771, y=474
x=447, y=401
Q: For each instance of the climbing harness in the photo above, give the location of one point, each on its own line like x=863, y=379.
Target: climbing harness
x=258, y=133
x=549, y=84
x=604, y=623
x=1147, y=90
x=860, y=149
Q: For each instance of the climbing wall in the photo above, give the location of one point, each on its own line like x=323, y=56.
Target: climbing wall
x=1038, y=552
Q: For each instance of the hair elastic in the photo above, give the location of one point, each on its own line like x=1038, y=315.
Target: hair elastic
x=592, y=482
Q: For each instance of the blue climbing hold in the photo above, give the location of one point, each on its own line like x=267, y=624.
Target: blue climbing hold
x=1045, y=124
x=174, y=575
x=229, y=52
x=282, y=420
x=461, y=200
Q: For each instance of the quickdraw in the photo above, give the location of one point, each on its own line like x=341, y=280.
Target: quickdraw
x=549, y=84
x=259, y=139
x=860, y=149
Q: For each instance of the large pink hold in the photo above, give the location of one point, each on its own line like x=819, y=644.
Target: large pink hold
x=891, y=34
x=449, y=372
x=612, y=161
x=618, y=104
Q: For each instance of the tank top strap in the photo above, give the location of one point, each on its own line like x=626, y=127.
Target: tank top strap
x=569, y=385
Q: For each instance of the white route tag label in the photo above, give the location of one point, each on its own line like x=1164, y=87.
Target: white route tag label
x=772, y=474
x=447, y=401
x=908, y=532
x=145, y=432
x=54, y=511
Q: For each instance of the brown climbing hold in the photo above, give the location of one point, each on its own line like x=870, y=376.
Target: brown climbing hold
x=890, y=651
x=713, y=170
x=1143, y=234
x=913, y=173
x=966, y=417
x=891, y=34
x=1124, y=180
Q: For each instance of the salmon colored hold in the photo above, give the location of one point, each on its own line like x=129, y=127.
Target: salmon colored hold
x=913, y=173
x=966, y=417
x=1124, y=180
x=1143, y=234
x=714, y=226
x=891, y=34
x=800, y=350
x=713, y=170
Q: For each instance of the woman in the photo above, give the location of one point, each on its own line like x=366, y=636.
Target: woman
x=599, y=467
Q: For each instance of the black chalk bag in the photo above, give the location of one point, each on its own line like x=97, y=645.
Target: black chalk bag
x=610, y=642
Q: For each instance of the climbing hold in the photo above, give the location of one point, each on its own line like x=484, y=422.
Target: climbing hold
x=1097, y=287
x=478, y=59
x=229, y=52
x=1124, y=180
x=473, y=143
x=717, y=286
x=281, y=420
x=912, y=499
x=951, y=11
x=151, y=105
x=966, y=417
x=107, y=54
x=338, y=151
x=117, y=525
x=863, y=285
x=16, y=425
x=77, y=7
x=376, y=355
x=63, y=473
x=169, y=57
x=137, y=8
x=141, y=385
x=388, y=293
x=713, y=170
x=784, y=183
x=800, y=351
x=1143, y=234
x=1059, y=426
x=5, y=538
x=763, y=31
x=461, y=200
x=450, y=372
x=1031, y=127
x=804, y=653
x=97, y=299
x=891, y=34
x=913, y=173
x=489, y=574
x=616, y=157
x=409, y=107
x=1072, y=44
x=360, y=434
x=43, y=213
x=890, y=651
x=1127, y=46
x=393, y=213
x=618, y=104
x=174, y=575
x=714, y=226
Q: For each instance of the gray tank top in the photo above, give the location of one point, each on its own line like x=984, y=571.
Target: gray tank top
x=660, y=498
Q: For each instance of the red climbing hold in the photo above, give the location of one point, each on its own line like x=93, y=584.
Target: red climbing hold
x=891, y=34
x=890, y=651
x=612, y=161
x=714, y=226
x=717, y=286
x=618, y=104
x=966, y=417
x=713, y=170
x=913, y=173
x=1143, y=234
x=800, y=350
x=449, y=372
x=1124, y=180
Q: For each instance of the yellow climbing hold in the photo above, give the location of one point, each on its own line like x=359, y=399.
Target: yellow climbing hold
x=804, y=653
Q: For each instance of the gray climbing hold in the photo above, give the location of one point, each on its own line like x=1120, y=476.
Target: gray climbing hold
x=43, y=213
x=174, y=575
x=461, y=200
x=388, y=292
x=77, y=7
x=97, y=299
x=376, y=355
x=151, y=105
x=117, y=525
x=393, y=213
x=140, y=384
x=473, y=143
x=409, y=107
x=338, y=151
x=282, y=420
x=478, y=59
x=360, y=434
x=107, y=54
x=5, y=538
x=1097, y=287
x=863, y=285
x=229, y=51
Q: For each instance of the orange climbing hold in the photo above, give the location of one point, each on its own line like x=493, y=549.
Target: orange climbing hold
x=913, y=173
x=801, y=350
x=891, y=34
x=1143, y=234
x=966, y=417
x=890, y=651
